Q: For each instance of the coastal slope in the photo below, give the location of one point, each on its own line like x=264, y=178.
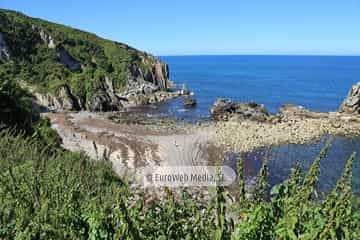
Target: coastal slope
x=69, y=69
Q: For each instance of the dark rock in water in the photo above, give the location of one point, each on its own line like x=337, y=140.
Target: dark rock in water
x=252, y=111
x=351, y=103
x=185, y=92
x=189, y=102
x=224, y=109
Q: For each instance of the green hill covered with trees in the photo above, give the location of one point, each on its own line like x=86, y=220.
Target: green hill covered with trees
x=51, y=57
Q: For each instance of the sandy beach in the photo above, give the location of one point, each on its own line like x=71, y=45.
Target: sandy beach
x=130, y=146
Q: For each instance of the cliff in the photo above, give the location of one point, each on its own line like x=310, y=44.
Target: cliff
x=69, y=69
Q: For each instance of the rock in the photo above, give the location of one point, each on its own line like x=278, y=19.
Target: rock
x=105, y=98
x=161, y=73
x=274, y=119
x=99, y=102
x=63, y=100
x=149, y=89
x=291, y=111
x=224, y=109
x=67, y=60
x=252, y=111
x=67, y=100
x=189, y=102
x=185, y=92
x=47, y=39
x=4, y=50
x=43, y=103
x=351, y=104
x=157, y=77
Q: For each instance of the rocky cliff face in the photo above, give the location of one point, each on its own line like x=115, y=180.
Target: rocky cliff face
x=351, y=104
x=140, y=90
x=63, y=99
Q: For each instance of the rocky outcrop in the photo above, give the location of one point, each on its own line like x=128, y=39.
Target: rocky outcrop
x=290, y=111
x=149, y=87
x=158, y=73
x=45, y=37
x=137, y=92
x=155, y=79
x=67, y=60
x=161, y=75
x=351, y=104
x=105, y=99
x=100, y=102
x=189, y=102
x=4, y=51
x=222, y=108
x=66, y=99
x=143, y=78
x=63, y=99
x=225, y=109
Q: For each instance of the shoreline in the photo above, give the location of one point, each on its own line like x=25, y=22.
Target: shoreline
x=131, y=140
x=168, y=142
x=249, y=136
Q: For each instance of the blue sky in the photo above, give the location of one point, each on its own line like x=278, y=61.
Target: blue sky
x=182, y=27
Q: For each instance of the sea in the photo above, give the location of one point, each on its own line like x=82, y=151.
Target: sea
x=319, y=83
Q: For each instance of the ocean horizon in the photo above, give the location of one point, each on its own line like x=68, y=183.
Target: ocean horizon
x=255, y=54
x=319, y=83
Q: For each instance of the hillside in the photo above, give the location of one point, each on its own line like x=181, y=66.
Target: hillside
x=70, y=69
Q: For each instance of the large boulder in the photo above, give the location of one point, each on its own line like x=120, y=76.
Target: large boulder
x=225, y=109
x=222, y=108
x=351, y=104
x=252, y=111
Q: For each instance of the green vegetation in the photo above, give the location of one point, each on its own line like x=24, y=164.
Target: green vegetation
x=15, y=104
x=63, y=195
x=34, y=62
x=49, y=193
